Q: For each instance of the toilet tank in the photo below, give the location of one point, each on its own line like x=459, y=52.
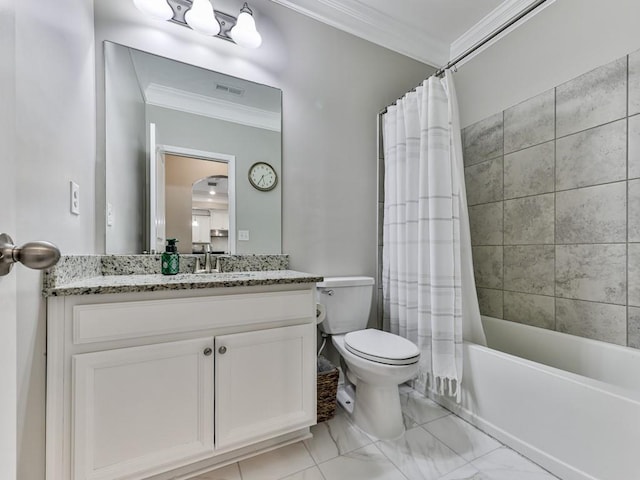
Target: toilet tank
x=347, y=301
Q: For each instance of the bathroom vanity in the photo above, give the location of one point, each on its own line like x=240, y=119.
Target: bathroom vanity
x=165, y=377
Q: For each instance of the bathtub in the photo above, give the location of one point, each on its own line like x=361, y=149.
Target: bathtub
x=570, y=404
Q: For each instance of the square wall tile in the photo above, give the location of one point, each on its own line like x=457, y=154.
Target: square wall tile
x=592, y=214
x=529, y=220
x=490, y=301
x=634, y=146
x=633, y=327
x=534, y=310
x=597, y=155
x=484, y=182
x=598, y=321
x=530, y=269
x=487, y=266
x=633, y=274
x=592, y=99
x=529, y=171
x=634, y=210
x=634, y=83
x=596, y=273
x=530, y=122
x=485, y=222
x=483, y=140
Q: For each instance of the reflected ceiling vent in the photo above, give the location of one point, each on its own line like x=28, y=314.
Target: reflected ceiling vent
x=229, y=89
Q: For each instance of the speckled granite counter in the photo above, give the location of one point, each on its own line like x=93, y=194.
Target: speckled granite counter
x=96, y=274
x=150, y=283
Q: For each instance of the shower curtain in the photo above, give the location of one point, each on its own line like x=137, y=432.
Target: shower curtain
x=429, y=294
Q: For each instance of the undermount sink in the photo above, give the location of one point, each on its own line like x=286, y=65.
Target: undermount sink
x=224, y=274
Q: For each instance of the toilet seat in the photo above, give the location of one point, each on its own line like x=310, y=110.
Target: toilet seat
x=381, y=347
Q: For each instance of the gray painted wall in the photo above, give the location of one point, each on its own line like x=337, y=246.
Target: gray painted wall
x=553, y=185
x=258, y=212
x=565, y=40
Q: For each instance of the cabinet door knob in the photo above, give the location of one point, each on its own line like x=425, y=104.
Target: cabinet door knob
x=207, y=351
x=222, y=350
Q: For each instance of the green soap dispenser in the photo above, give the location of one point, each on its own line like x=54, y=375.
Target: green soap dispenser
x=171, y=258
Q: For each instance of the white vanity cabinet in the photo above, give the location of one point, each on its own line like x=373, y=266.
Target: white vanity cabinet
x=165, y=384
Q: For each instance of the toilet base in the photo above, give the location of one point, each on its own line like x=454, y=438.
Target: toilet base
x=374, y=409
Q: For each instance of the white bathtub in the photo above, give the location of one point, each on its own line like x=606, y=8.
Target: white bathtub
x=568, y=403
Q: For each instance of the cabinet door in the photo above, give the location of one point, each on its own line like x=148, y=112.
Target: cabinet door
x=142, y=410
x=265, y=384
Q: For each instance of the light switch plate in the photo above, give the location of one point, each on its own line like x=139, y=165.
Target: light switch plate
x=243, y=235
x=74, y=198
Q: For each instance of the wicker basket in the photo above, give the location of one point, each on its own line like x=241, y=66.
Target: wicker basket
x=327, y=389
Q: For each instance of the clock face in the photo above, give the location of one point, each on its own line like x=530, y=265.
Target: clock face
x=262, y=176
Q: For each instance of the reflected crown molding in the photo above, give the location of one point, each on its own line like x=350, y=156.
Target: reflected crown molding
x=189, y=102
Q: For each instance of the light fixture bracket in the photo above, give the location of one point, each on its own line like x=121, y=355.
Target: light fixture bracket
x=226, y=21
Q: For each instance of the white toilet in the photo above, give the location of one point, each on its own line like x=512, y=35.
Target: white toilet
x=377, y=362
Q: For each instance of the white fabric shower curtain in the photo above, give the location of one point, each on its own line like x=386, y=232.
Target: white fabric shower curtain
x=429, y=293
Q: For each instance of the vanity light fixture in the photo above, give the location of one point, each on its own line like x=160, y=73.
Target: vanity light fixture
x=199, y=15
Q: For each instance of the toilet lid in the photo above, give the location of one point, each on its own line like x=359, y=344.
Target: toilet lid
x=381, y=347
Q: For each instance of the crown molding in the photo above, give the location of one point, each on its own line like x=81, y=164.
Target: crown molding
x=362, y=20
x=501, y=15
x=189, y=102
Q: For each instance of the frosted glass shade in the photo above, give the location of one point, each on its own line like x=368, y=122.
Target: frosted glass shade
x=244, y=33
x=159, y=9
x=201, y=18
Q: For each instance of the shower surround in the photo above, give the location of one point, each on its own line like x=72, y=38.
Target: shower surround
x=553, y=187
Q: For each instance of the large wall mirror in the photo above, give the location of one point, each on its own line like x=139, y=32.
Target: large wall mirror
x=180, y=141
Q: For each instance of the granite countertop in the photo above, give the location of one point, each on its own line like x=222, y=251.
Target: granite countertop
x=154, y=282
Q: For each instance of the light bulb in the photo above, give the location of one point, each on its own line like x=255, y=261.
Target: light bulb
x=212, y=192
x=201, y=18
x=194, y=223
x=159, y=9
x=244, y=33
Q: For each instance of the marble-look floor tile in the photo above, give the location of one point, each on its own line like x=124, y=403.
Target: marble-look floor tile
x=483, y=140
x=529, y=269
x=421, y=456
x=529, y=220
x=485, y=222
x=277, y=464
x=505, y=464
x=490, y=302
x=312, y=473
x=534, y=310
x=596, y=273
x=592, y=214
x=335, y=437
x=529, y=171
x=530, y=122
x=594, y=98
x=484, y=182
x=467, y=472
x=420, y=408
x=462, y=437
x=598, y=321
x=367, y=463
x=230, y=472
x=592, y=157
x=487, y=266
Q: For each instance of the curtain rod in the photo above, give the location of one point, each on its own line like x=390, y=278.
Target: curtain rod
x=479, y=45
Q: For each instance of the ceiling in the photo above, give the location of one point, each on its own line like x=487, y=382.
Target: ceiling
x=432, y=31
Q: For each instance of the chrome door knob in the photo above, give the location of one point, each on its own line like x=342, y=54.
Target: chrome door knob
x=38, y=255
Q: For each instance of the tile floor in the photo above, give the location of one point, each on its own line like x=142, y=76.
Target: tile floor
x=436, y=446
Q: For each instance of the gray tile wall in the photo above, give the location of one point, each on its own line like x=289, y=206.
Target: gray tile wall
x=553, y=187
